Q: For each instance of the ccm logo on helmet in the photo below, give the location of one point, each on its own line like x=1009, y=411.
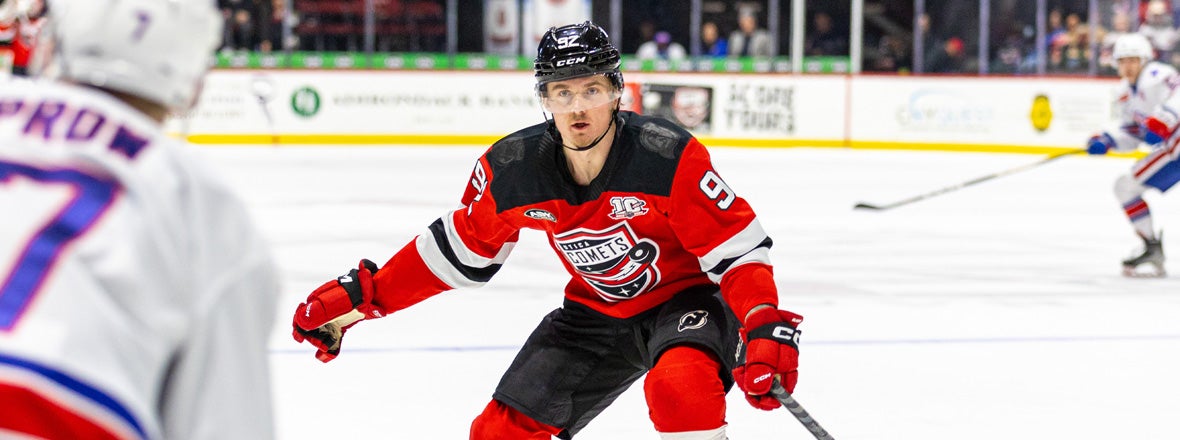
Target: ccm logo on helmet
x=570, y=61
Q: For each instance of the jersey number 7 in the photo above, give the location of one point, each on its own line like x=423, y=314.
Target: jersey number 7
x=52, y=208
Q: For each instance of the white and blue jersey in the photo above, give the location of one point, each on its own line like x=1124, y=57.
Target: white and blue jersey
x=1152, y=93
x=136, y=297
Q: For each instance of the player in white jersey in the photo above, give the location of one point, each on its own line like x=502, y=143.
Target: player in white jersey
x=136, y=297
x=1148, y=107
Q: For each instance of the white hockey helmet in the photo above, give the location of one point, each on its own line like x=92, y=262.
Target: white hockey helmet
x=1133, y=46
x=158, y=50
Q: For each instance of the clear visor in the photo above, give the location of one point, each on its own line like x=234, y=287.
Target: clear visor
x=560, y=98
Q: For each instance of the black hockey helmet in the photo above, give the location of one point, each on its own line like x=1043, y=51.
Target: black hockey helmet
x=574, y=51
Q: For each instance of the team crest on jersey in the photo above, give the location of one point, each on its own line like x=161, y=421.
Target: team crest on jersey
x=540, y=214
x=615, y=262
x=627, y=207
x=693, y=320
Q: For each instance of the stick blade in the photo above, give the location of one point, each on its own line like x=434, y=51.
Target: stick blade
x=867, y=206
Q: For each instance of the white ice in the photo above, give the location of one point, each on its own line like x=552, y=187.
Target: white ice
x=992, y=312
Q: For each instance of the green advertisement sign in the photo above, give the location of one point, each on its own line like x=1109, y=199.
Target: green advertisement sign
x=435, y=61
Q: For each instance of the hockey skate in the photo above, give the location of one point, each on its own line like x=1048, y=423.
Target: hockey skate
x=1149, y=264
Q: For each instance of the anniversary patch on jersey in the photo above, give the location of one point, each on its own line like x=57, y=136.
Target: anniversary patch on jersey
x=615, y=262
x=627, y=207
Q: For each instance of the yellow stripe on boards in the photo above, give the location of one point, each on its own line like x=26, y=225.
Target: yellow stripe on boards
x=487, y=140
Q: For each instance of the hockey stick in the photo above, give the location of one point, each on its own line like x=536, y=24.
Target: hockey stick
x=797, y=410
x=263, y=90
x=974, y=181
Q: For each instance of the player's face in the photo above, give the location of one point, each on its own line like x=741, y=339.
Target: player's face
x=1129, y=68
x=582, y=107
x=578, y=94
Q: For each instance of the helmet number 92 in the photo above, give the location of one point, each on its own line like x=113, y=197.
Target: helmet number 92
x=716, y=189
x=567, y=41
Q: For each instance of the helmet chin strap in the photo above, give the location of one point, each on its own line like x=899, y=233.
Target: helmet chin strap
x=614, y=115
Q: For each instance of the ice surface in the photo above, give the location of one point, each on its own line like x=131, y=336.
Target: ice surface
x=993, y=312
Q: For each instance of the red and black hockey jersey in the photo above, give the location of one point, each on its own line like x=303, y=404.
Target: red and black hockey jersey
x=656, y=220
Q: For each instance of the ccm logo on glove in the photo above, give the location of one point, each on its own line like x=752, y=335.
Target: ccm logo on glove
x=786, y=334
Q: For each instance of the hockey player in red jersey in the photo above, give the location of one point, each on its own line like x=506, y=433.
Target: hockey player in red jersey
x=669, y=267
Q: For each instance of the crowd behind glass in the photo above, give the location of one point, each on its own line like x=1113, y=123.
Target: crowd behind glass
x=1072, y=37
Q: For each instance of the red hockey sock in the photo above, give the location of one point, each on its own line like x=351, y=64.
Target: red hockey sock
x=684, y=391
x=502, y=422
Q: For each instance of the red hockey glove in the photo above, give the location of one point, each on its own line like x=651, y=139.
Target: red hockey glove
x=334, y=307
x=772, y=350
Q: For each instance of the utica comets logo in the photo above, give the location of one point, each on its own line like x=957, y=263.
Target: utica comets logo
x=616, y=263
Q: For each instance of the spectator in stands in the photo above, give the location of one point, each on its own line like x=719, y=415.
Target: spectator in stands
x=750, y=40
x=891, y=55
x=1074, y=24
x=1076, y=53
x=661, y=47
x=1008, y=57
x=1120, y=25
x=20, y=24
x=949, y=57
x=647, y=32
x=273, y=16
x=823, y=38
x=1158, y=29
x=929, y=43
x=240, y=29
x=711, y=42
x=1055, y=28
x=1144, y=6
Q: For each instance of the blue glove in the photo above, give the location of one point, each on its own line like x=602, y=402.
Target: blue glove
x=1151, y=138
x=1100, y=144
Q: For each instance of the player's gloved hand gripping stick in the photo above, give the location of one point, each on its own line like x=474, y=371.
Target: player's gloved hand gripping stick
x=333, y=308
x=772, y=360
x=772, y=353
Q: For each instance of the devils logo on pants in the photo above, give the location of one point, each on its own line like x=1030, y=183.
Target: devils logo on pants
x=616, y=263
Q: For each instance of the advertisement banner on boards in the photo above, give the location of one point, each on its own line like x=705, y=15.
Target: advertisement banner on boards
x=363, y=103
x=768, y=107
x=996, y=111
x=689, y=106
x=439, y=107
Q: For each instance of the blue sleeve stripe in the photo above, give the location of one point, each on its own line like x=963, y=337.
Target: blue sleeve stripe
x=83, y=389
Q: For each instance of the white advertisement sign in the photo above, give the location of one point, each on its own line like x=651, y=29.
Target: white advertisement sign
x=772, y=110
x=334, y=103
x=994, y=111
